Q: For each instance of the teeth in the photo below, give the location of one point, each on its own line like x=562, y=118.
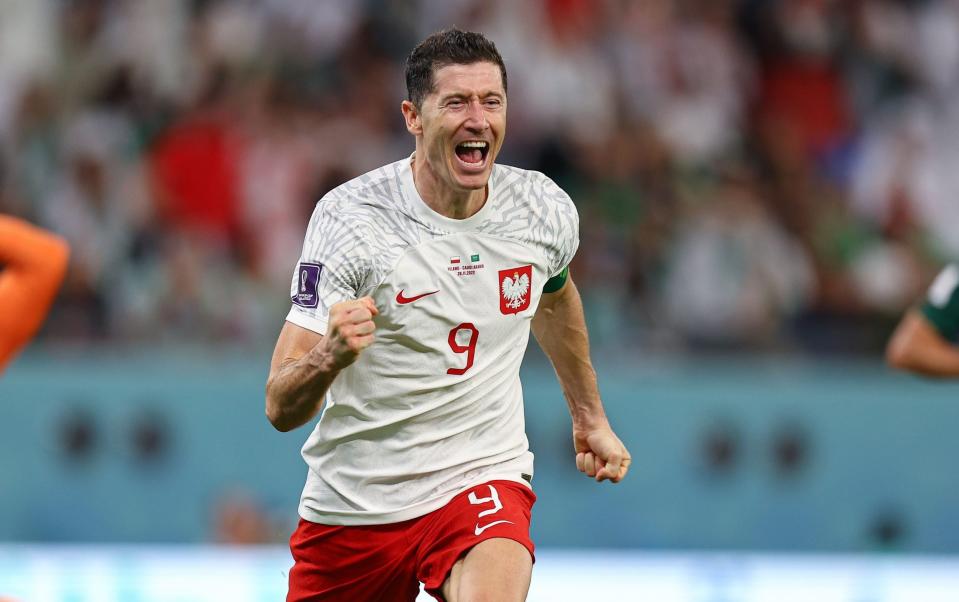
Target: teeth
x=474, y=144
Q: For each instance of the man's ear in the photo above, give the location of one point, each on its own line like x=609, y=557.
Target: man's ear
x=411, y=114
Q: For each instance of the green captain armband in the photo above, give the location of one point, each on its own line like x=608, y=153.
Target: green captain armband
x=556, y=282
x=941, y=307
x=944, y=320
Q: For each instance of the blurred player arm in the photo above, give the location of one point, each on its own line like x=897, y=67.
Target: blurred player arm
x=560, y=329
x=305, y=363
x=917, y=346
x=34, y=262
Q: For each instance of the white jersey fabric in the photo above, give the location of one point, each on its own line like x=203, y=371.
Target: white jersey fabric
x=435, y=404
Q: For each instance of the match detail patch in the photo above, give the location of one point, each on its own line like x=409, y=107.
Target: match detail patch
x=308, y=280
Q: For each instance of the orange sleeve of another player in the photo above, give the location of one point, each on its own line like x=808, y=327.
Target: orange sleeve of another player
x=33, y=263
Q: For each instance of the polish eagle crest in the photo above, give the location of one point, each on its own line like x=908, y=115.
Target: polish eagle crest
x=515, y=288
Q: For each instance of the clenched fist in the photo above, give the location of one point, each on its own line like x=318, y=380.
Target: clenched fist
x=600, y=454
x=350, y=330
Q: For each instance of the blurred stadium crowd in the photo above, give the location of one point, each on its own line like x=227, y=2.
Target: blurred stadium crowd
x=753, y=174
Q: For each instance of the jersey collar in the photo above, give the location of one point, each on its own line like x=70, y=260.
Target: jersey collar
x=441, y=222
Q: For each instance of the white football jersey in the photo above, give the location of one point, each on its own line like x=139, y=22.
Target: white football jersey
x=434, y=405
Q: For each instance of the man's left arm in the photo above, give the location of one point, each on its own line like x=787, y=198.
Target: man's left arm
x=560, y=328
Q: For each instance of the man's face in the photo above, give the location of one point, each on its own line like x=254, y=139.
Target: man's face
x=462, y=122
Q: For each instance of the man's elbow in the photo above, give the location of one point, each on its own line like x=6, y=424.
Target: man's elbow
x=55, y=253
x=908, y=359
x=279, y=419
x=275, y=414
x=897, y=356
x=48, y=271
x=59, y=251
x=279, y=423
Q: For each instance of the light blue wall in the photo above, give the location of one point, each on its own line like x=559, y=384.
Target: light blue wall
x=879, y=443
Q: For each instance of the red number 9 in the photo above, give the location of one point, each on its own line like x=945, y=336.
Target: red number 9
x=469, y=349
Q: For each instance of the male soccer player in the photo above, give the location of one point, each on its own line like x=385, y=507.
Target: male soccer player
x=412, y=305
x=33, y=263
x=925, y=339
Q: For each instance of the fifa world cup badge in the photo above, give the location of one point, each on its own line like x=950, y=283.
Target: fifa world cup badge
x=307, y=285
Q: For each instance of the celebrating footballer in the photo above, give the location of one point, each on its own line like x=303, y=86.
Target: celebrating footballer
x=412, y=304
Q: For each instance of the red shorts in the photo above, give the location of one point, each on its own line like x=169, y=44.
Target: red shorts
x=387, y=562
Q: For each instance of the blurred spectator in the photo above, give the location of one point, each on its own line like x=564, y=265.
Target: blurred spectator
x=801, y=85
x=239, y=520
x=28, y=50
x=195, y=168
x=99, y=207
x=684, y=72
x=734, y=276
x=32, y=151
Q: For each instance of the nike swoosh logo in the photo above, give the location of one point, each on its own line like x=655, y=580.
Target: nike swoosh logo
x=480, y=529
x=404, y=300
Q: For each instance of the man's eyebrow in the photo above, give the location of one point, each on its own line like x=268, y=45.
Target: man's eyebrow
x=461, y=95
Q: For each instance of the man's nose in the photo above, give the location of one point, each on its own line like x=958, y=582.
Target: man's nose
x=476, y=117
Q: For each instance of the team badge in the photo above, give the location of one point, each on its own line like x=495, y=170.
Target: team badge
x=307, y=284
x=514, y=287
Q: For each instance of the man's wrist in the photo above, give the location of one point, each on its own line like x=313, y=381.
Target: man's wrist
x=589, y=419
x=322, y=360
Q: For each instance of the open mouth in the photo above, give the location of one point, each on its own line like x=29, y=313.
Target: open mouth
x=472, y=152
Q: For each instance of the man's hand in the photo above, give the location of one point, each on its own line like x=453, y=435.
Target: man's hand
x=600, y=454
x=350, y=330
x=305, y=363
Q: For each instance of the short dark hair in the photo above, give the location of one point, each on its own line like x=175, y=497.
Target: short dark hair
x=447, y=47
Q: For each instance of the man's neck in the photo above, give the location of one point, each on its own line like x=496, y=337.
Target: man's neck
x=441, y=198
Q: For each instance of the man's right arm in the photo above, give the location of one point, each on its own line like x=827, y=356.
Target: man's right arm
x=34, y=263
x=305, y=363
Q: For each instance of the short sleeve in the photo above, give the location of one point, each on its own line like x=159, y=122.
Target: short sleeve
x=565, y=227
x=333, y=266
x=941, y=306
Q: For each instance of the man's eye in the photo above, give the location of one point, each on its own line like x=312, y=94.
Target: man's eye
x=493, y=103
x=454, y=104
